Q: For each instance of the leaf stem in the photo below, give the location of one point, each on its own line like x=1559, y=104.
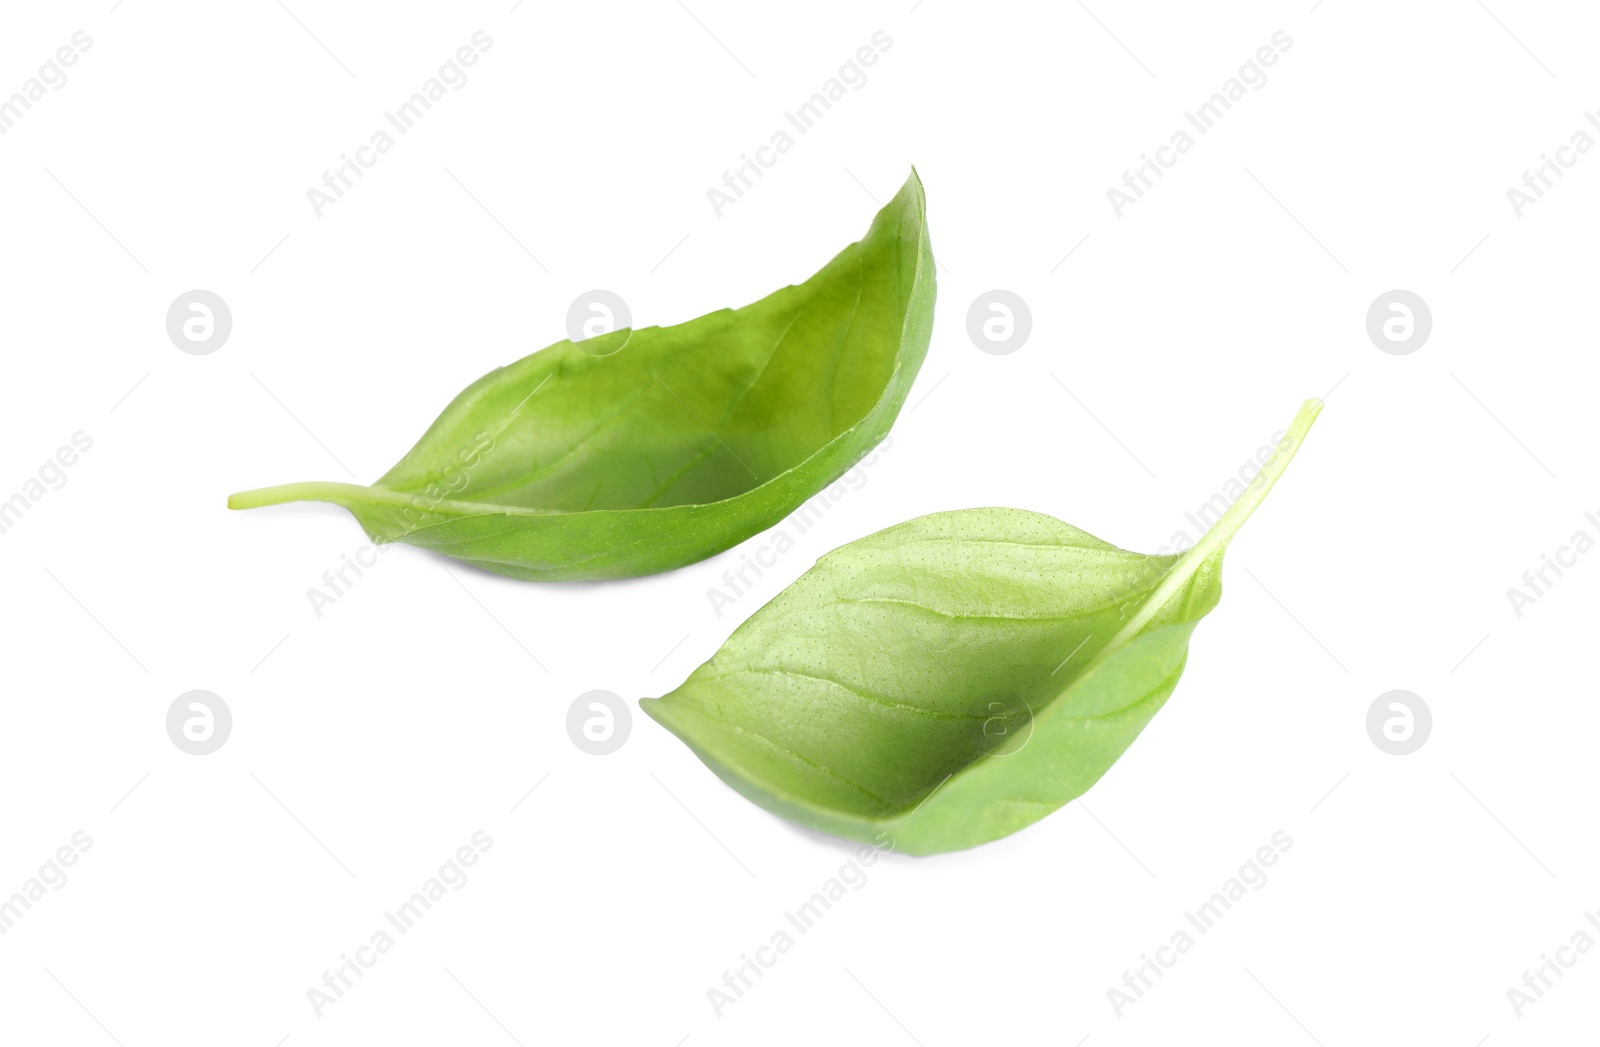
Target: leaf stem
x=1216, y=539
x=314, y=491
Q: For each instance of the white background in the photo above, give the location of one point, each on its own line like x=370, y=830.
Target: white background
x=369, y=743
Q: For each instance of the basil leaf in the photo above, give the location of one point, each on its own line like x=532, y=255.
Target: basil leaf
x=954, y=678
x=643, y=450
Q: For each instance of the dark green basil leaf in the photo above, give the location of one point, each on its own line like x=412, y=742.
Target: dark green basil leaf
x=954, y=678
x=641, y=451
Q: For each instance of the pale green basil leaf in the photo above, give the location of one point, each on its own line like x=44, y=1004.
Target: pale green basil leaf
x=644, y=450
x=954, y=678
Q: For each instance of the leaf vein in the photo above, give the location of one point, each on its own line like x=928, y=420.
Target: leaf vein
x=855, y=691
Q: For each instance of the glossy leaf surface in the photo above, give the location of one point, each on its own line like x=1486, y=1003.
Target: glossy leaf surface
x=954, y=678
x=643, y=450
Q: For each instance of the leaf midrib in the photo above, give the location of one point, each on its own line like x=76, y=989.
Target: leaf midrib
x=850, y=689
